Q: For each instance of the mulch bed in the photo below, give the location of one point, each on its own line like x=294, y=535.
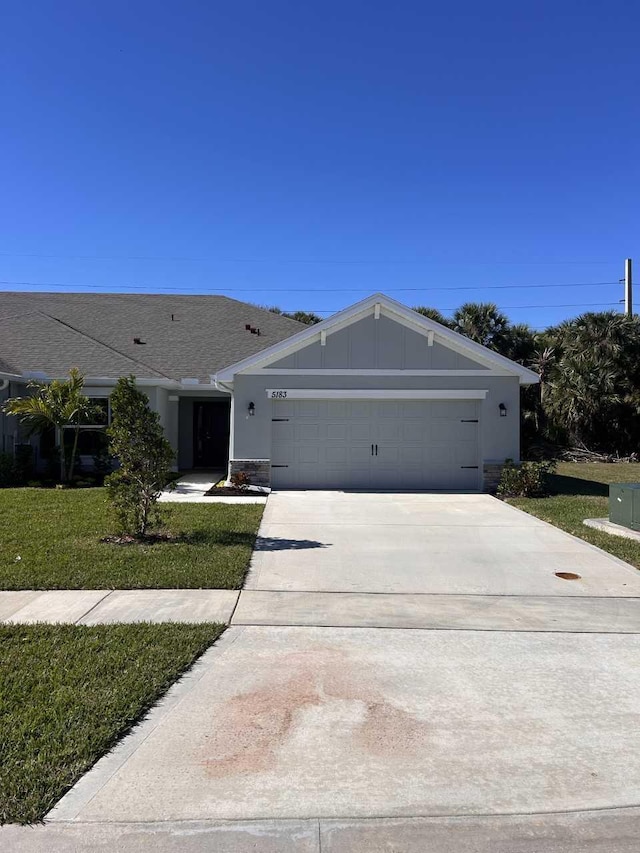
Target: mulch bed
x=231, y=492
x=148, y=539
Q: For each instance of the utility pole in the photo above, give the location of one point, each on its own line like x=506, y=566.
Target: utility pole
x=628, y=293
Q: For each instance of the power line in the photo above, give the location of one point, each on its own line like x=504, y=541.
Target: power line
x=500, y=307
x=331, y=261
x=172, y=288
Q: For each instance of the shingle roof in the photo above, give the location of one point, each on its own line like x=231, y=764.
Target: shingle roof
x=184, y=336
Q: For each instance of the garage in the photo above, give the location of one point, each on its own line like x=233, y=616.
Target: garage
x=376, y=397
x=426, y=444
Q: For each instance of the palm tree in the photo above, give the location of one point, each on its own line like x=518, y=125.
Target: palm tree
x=519, y=343
x=591, y=388
x=59, y=404
x=433, y=314
x=483, y=323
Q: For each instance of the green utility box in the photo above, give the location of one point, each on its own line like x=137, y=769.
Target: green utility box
x=624, y=504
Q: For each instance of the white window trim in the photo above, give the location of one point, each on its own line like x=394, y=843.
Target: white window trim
x=371, y=394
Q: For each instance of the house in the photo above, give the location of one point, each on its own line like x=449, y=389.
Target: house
x=376, y=396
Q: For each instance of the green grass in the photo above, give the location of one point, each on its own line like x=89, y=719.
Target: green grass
x=579, y=491
x=68, y=692
x=56, y=534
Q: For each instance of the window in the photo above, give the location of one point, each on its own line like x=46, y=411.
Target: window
x=102, y=412
x=92, y=438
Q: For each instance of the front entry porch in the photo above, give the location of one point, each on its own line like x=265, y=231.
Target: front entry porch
x=203, y=433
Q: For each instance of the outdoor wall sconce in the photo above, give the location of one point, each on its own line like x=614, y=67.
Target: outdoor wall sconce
x=503, y=410
x=252, y=409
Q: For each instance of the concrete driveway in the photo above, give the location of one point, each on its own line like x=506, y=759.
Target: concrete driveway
x=423, y=543
x=398, y=665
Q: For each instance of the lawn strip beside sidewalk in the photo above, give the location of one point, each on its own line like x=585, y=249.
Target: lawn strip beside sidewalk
x=69, y=692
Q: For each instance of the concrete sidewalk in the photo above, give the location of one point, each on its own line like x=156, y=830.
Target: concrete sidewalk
x=193, y=487
x=344, y=723
x=102, y=607
x=607, y=831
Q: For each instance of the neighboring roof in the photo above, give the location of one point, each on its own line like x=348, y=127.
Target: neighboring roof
x=52, y=332
x=395, y=311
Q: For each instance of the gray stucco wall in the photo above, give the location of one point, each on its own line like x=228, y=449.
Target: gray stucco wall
x=500, y=437
x=383, y=344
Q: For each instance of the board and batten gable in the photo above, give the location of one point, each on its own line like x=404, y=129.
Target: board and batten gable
x=392, y=399
x=384, y=344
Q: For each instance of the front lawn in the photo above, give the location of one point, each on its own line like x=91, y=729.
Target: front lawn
x=69, y=692
x=50, y=539
x=580, y=490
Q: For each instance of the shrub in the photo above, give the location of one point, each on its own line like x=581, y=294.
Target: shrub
x=23, y=462
x=240, y=480
x=145, y=456
x=8, y=473
x=527, y=480
x=102, y=462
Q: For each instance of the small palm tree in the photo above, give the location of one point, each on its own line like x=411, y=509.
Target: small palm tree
x=59, y=404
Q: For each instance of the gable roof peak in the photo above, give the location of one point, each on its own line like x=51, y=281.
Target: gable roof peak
x=400, y=313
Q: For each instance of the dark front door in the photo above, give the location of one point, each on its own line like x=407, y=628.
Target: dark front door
x=211, y=434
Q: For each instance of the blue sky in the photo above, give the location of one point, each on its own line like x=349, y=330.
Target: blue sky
x=307, y=154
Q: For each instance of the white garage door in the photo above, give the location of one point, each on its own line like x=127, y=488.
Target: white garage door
x=378, y=444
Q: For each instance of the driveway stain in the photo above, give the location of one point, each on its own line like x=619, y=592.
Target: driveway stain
x=253, y=726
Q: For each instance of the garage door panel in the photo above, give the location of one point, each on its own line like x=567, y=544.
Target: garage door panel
x=420, y=444
x=308, y=409
x=388, y=409
x=337, y=409
x=391, y=430
x=361, y=409
x=282, y=432
x=361, y=430
x=307, y=431
x=414, y=431
x=360, y=454
x=338, y=454
x=309, y=453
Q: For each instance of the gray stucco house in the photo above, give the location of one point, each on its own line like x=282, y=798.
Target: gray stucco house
x=376, y=396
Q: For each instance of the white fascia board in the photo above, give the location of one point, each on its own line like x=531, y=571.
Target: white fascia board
x=394, y=310
x=372, y=394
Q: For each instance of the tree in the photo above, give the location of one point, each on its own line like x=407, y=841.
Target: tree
x=433, y=314
x=306, y=317
x=58, y=404
x=136, y=439
x=518, y=343
x=483, y=323
x=592, y=387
